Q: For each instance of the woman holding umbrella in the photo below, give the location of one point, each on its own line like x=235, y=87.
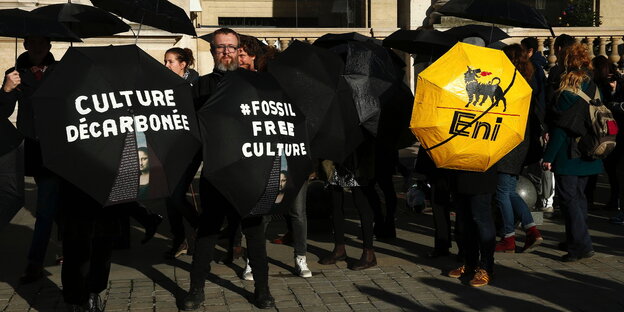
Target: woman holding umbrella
x=179, y=61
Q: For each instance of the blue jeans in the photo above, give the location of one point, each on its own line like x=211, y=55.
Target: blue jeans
x=511, y=204
x=48, y=187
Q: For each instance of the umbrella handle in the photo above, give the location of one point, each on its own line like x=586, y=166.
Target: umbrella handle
x=136, y=39
x=194, y=199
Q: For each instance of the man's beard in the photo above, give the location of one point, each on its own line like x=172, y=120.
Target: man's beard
x=232, y=66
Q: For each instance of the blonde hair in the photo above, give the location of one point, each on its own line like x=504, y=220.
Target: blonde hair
x=577, y=64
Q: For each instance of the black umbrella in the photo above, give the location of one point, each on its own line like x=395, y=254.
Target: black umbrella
x=312, y=78
x=251, y=132
x=161, y=14
x=421, y=41
x=84, y=20
x=370, y=71
x=330, y=40
x=21, y=24
x=505, y=12
x=116, y=123
x=489, y=34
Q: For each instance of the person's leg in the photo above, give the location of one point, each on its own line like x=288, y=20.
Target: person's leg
x=548, y=191
x=79, y=219
x=254, y=229
x=360, y=201
x=571, y=192
x=441, y=216
x=339, y=253
x=11, y=185
x=387, y=187
x=482, y=216
x=505, y=187
x=468, y=232
x=214, y=207
x=48, y=186
x=299, y=221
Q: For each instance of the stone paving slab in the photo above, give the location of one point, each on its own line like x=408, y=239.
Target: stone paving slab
x=405, y=279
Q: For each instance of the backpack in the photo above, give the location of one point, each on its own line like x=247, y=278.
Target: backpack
x=600, y=138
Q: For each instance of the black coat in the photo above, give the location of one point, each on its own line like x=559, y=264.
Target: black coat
x=25, y=112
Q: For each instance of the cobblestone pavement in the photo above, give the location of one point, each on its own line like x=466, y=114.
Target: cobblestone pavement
x=405, y=279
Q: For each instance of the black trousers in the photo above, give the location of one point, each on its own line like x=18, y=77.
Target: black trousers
x=573, y=203
x=89, y=230
x=215, y=208
x=178, y=207
x=476, y=228
x=360, y=201
x=441, y=208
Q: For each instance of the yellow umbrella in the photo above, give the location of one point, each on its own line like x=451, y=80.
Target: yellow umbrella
x=470, y=108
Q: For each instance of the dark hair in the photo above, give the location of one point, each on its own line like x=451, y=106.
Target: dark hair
x=263, y=61
x=520, y=58
x=561, y=43
x=222, y=31
x=183, y=55
x=250, y=45
x=604, y=72
x=529, y=43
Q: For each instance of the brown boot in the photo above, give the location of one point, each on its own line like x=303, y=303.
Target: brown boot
x=338, y=254
x=368, y=260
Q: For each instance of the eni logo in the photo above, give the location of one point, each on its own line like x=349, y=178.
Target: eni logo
x=464, y=124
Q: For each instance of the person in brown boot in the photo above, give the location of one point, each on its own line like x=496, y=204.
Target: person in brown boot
x=340, y=177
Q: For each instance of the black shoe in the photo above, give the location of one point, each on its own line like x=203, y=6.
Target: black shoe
x=151, y=227
x=33, y=273
x=572, y=258
x=263, y=298
x=435, y=253
x=193, y=299
x=94, y=304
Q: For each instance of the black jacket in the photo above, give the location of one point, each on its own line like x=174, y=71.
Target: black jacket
x=25, y=113
x=205, y=86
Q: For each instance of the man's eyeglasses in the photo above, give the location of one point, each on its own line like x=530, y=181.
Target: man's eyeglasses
x=228, y=48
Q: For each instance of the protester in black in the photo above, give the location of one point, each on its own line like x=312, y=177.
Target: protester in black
x=215, y=207
x=32, y=68
x=179, y=61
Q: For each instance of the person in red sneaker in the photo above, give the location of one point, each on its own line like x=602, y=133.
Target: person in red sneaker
x=508, y=201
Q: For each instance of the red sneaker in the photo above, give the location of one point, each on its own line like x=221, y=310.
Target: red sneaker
x=532, y=240
x=507, y=244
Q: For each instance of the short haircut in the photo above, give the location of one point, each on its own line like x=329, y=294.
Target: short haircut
x=250, y=45
x=529, y=43
x=222, y=31
x=564, y=41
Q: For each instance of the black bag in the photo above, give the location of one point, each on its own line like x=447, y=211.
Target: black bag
x=599, y=140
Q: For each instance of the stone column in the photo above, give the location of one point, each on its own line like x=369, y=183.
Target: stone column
x=271, y=42
x=552, y=58
x=615, y=55
x=284, y=42
x=540, y=44
x=590, y=46
x=602, y=49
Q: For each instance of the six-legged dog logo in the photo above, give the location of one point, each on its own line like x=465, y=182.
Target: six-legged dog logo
x=476, y=89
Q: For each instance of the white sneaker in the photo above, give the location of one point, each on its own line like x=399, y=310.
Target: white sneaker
x=301, y=267
x=247, y=275
x=548, y=209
